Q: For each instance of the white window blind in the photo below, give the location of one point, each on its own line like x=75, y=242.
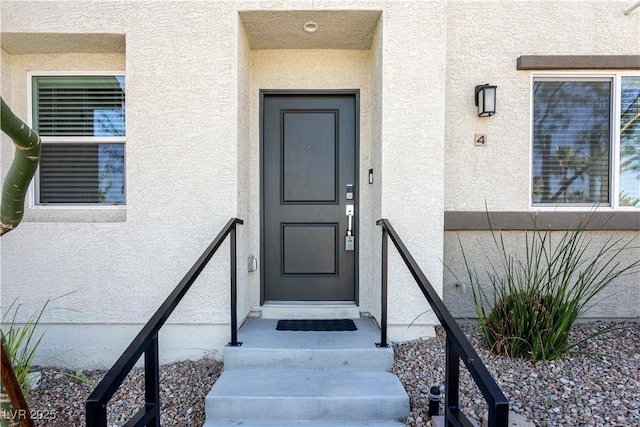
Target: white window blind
x=571, y=141
x=82, y=123
x=629, y=194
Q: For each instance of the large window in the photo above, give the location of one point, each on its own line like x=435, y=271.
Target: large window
x=81, y=120
x=586, y=141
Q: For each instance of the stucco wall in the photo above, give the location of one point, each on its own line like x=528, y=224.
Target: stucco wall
x=372, y=292
x=193, y=86
x=484, y=39
x=182, y=181
x=192, y=162
x=497, y=176
x=246, y=186
x=412, y=194
x=618, y=300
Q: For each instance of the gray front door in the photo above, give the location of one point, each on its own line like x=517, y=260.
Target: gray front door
x=308, y=160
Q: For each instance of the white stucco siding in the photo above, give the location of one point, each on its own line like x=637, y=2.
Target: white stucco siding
x=412, y=194
x=193, y=147
x=372, y=292
x=248, y=189
x=484, y=40
x=182, y=180
x=618, y=300
x=182, y=98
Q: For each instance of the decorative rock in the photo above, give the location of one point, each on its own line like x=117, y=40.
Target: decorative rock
x=184, y=386
x=580, y=389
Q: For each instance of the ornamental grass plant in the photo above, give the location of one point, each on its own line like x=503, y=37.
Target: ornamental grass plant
x=22, y=342
x=535, y=296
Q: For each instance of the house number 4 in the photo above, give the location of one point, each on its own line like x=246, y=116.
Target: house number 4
x=480, y=139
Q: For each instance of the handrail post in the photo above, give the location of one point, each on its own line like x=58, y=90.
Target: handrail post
x=452, y=380
x=498, y=415
x=383, y=290
x=234, y=289
x=96, y=414
x=152, y=380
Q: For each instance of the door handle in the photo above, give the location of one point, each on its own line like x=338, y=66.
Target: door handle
x=350, y=212
x=349, y=241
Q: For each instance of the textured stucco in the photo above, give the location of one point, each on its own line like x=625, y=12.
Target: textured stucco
x=496, y=177
x=412, y=194
x=193, y=77
x=246, y=190
x=372, y=292
x=38, y=43
x=618, y=300
x=484, y=40
x=181, y=175
x=338, y=29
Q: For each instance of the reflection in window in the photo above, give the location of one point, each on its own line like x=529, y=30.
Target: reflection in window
x=82, y=173
x=571, y=142
x=629, y=194
x=82, y=123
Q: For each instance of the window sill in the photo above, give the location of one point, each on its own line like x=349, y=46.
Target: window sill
x=76, y=214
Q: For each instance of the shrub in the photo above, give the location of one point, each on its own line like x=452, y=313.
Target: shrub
x=21, y=342
x=536, y=300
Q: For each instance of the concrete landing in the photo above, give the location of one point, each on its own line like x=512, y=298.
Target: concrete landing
x=290, y=378
x=265, y=347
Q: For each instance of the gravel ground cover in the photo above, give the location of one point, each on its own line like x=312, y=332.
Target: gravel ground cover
x=598, y=386
x=183, y=387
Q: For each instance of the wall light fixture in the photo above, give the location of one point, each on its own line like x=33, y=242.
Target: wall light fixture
x=486, y=100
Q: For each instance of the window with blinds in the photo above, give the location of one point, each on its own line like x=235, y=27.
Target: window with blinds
x=571, y=141
x=81, y=120
x=629, y=166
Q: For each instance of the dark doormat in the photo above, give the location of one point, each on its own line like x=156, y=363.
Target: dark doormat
x=329, y=325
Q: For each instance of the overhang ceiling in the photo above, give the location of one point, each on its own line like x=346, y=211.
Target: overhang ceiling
x=342, y=29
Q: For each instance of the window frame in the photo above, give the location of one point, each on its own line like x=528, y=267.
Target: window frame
x=34, y=190
x=614, y=162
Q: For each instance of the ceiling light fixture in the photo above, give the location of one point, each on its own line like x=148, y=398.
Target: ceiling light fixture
x=310, y=27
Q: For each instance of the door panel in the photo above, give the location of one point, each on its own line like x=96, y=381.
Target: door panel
x=309, y=249
x=308, y=159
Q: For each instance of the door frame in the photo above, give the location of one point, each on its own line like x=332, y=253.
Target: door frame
x=356, y=95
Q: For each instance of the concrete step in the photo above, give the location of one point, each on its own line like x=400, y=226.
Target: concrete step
x=265, y=347
x=304, y=423
x=352, y=359
x=288, y=394
x=325, y=311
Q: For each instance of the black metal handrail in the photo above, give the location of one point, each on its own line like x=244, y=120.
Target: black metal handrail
x=147, y=342
x=457, y=345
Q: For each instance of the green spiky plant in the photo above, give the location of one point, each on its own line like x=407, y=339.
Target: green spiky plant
x=534, y=302
x=22, y=342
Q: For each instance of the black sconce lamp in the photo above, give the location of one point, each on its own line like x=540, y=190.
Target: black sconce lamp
x=486, y=100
